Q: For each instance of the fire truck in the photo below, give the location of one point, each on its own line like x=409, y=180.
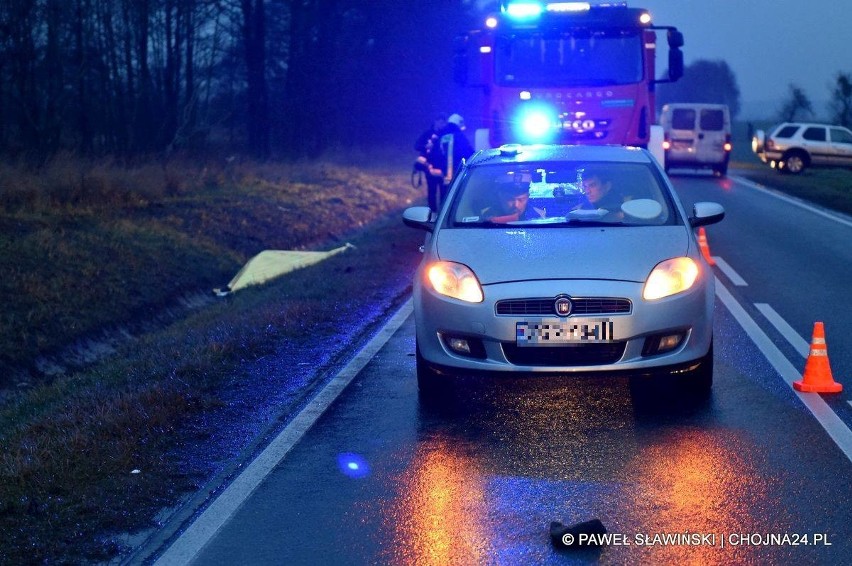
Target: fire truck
x=565, y=72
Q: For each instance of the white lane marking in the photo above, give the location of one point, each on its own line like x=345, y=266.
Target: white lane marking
x=800, y=344
x=729, y=272
x=833, y=425
x=836, y=216
x=186, y=547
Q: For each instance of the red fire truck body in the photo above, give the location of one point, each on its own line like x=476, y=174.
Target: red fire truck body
x=565, y=72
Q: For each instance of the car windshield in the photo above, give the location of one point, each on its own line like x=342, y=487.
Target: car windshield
x=561, y=194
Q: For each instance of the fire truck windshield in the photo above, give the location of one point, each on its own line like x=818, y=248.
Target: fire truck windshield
x=572, y=59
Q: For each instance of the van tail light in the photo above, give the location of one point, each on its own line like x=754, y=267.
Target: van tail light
x=728, y=145
x=667, y=144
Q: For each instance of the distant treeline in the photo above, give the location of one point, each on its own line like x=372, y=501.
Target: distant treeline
x=287, y=77
x=714, y=81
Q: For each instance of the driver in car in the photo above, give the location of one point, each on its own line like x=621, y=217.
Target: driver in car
x=597, y=186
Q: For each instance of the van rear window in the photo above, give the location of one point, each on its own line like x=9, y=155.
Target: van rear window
x=683, y=119
x=712, y=120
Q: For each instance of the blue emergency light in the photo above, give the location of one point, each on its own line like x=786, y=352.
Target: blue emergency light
x=523, y=10
x=528, y=9
x=536, y=123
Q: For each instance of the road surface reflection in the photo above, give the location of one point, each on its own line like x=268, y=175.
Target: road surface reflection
x=494, y=468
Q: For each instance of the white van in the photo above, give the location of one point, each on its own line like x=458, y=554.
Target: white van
x=696, y=136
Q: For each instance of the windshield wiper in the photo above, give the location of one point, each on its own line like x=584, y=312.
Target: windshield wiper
x=480, y=224
x=584, y=222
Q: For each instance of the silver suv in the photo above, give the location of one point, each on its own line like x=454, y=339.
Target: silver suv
x=794, y=146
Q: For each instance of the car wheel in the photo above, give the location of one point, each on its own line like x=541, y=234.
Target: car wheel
x=721, y=170
x=430, y=384
x=794, y=162
x=699, y=381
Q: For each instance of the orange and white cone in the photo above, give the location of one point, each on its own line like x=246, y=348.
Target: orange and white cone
x=817, y=376
x=704, y=247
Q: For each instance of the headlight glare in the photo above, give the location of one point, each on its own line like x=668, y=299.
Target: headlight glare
x=670, y=277
x=455, y=280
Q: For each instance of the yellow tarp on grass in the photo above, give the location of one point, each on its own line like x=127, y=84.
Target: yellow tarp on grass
x=270, y=264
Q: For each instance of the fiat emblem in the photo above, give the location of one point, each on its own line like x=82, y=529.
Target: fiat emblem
x=563, y=306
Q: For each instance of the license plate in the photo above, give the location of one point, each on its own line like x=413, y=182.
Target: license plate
x=556, y=332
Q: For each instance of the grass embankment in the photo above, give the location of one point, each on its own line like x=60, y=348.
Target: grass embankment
x=87, y=246
x=93, y=246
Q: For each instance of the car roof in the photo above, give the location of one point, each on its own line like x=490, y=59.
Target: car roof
x=810, y=124
x=515, y=153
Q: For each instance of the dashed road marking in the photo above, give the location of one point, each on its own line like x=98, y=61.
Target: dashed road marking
x=800, y=344
x=833, y=425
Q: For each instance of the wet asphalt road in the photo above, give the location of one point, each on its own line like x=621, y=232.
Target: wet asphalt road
x=383, y=479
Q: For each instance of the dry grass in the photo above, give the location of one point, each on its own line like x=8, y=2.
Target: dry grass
x=89, y=245
x=71, y=443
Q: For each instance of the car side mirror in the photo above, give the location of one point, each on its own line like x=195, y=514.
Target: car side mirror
x=704, y=213
x=419, y=217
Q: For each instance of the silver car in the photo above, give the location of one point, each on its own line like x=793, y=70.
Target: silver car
x=792, y=147
x=563, y=259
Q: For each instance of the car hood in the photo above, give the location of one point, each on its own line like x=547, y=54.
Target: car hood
x=519, y=254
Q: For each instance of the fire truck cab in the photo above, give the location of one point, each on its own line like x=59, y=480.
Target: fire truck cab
x=565, y=72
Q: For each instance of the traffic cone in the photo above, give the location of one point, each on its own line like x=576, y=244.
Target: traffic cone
x=817, y=377
x=702, y=245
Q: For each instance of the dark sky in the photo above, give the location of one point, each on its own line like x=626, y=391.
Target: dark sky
x=767, y=43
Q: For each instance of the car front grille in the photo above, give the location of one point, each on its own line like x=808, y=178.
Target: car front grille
x=570, y=355
x=580, y=306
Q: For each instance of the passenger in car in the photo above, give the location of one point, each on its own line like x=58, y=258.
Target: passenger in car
x=598, y=188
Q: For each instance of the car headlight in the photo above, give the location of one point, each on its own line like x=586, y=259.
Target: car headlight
x=670, y=277
x=455, y=280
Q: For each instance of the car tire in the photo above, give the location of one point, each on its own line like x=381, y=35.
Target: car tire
x=699, y=382
x=430, y=384
x=795, y=162
x=657, y=392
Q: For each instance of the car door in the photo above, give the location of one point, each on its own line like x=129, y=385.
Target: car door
x=841, y=146
x=710, y=146
x=815, y=140
x=682, y=135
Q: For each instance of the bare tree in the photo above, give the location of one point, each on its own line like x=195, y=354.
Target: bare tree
x=144, y=76
x=841, y=101
x=257, y=95
x=797, y=103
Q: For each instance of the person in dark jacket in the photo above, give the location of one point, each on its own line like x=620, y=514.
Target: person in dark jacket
x=452, y=147
x=424, y=146
x=599, y=193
